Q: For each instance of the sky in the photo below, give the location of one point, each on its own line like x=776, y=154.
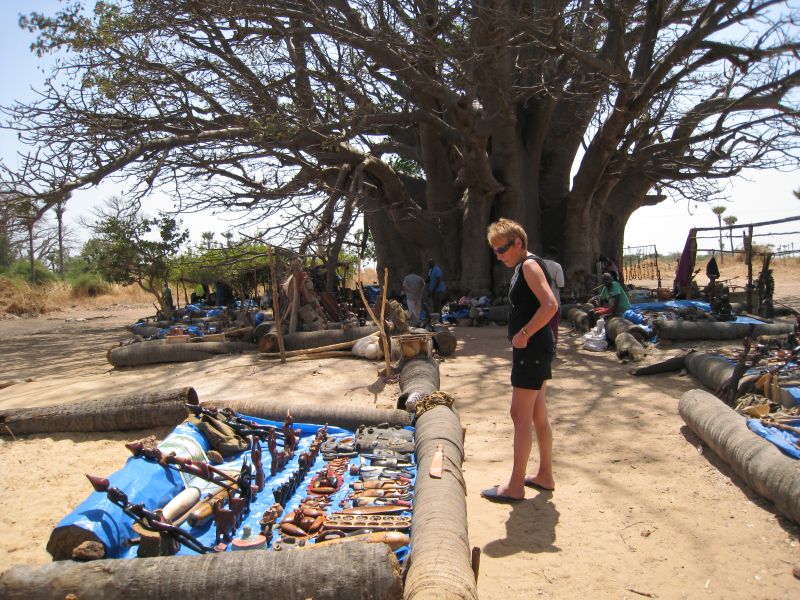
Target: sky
x=756, y=197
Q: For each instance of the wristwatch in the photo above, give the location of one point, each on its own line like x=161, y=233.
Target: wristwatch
x=524, y=332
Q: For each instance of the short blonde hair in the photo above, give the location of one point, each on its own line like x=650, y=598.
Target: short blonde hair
x=508, y=230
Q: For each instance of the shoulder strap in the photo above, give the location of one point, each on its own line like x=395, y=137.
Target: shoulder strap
x=543, y=267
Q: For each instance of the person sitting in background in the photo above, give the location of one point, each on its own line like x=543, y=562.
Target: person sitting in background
x=609, y=266
x=613, y=299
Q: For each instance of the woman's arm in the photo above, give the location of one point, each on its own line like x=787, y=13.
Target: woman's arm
x=537, y=282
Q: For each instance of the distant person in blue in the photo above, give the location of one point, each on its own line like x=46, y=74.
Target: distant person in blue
x=436, y=287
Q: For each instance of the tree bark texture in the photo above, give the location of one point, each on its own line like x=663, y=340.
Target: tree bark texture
x=154, y=352
x=763, y=467
x=141, y=410
x=353, y=571
x=706, y=330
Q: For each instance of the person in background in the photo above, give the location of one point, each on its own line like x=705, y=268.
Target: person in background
x=166, y=293
x=414, y=288
x=609, y=266
x=556, y=283
x=436, y=287
x=532, y=308
x=613, y=297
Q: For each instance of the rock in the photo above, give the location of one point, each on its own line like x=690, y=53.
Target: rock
x=89, y=550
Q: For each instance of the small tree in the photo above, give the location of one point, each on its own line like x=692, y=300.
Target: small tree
x=730, y=221
x=129, y=248
x=718, y=210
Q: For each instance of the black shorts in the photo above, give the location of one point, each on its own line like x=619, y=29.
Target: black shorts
x=530, y=367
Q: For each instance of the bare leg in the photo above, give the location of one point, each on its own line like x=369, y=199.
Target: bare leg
x=522, y=414
x=544, y=439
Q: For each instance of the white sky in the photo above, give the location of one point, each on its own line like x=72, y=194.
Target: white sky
x=763, y=196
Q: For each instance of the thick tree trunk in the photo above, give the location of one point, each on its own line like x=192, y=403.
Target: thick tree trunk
x=141, y=410
x=352, y=571
x=708, y=330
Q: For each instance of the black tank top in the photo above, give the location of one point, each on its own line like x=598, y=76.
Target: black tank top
x=524, y=305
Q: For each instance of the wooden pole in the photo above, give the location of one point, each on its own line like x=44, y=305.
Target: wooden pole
x=384, y=337
x=749, y=256
x=276, y=308
x=375, y=319
x=294, y=316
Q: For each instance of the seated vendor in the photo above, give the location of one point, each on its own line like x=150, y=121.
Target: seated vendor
x=613, y=299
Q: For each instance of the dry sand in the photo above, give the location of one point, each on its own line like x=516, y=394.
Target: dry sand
x=641, y=508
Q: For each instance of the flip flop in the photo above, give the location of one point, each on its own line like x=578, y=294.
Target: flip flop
x=532, y=484
x=492, y=495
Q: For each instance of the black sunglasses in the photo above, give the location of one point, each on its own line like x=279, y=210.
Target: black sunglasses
x=504, y=248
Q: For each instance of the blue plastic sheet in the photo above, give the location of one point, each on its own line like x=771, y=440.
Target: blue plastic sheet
x=785, y=440
x=152, y=485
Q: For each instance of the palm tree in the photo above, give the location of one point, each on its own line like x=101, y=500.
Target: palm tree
x=208, y=239
x=718, y=210
x=730, y=221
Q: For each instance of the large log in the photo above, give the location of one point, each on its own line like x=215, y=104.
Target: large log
x=440, y=559
x=707, y=330
x=141, y=410
x=578, y=317
x=303, y=340
x=419, y=374
x=148, y=353
x=353, y=571
x=711, y=371
x=617, y=325
x=763, y=467
x=347, y=417
x=628, y=347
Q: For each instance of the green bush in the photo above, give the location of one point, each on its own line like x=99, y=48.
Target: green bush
x=89, y=284
x=21, y=269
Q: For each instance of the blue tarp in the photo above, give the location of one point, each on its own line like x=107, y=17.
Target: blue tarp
x=671, y=305
x=785, y=440
x=151, y=484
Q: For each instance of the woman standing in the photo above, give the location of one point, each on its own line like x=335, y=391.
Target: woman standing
x=532, y=307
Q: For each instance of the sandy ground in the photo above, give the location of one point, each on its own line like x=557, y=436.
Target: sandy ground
x=641, y=508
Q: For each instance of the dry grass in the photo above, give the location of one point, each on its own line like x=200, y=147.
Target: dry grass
x=20, y=298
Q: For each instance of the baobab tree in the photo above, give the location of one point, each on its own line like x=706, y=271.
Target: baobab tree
x=718, y=210
x=426, y=119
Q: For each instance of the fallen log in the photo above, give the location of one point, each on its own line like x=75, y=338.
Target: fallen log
x=617, y=325
x=441, y=559
x=579, y=318
x=712, y=371
x=303, y=340
x=763, y=467
x=420, y=374
x=357, y=570
x=675, y=363
x=628, y=347
x=707, y=330
x=149, y=353
x=347, y=417
x=142, y=410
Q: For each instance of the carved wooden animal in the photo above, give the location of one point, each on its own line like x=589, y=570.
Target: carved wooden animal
x=225, y=521
x=255, y=456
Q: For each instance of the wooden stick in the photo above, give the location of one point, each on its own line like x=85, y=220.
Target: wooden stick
x=339, y=346
x=768, y=423
x=276, y=309
x=384, y=337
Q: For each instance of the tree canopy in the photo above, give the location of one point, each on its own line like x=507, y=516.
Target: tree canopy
x=428, y=118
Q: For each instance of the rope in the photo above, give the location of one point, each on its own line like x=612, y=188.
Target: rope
x=432, y=400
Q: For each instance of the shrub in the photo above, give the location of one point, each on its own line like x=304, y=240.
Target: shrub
x=89, y=285
x=21, y=269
